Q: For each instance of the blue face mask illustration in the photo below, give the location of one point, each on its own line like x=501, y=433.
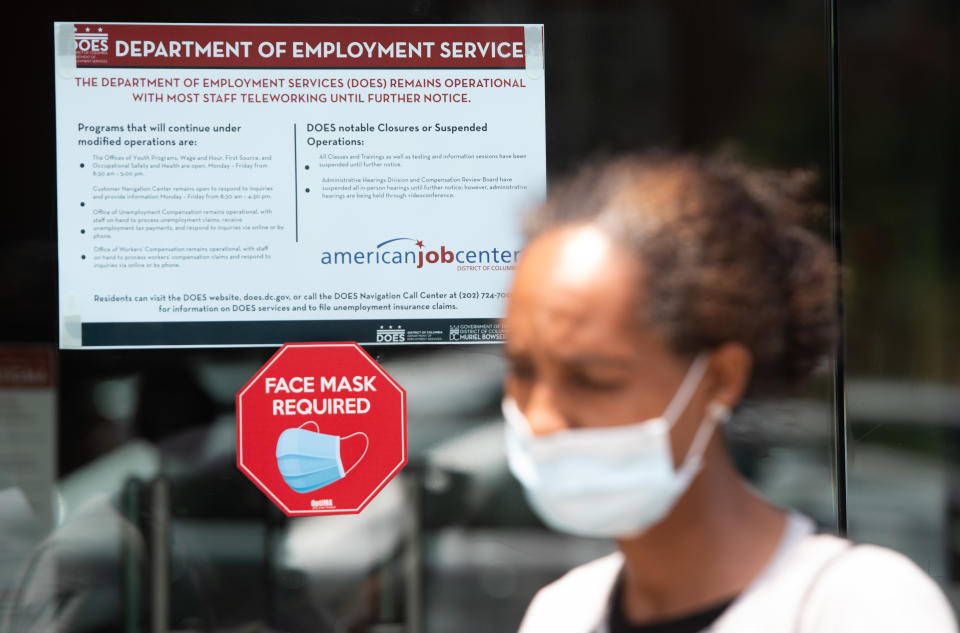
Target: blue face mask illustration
x=310, y=460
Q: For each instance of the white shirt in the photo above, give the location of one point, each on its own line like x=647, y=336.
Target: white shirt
x=812, y=584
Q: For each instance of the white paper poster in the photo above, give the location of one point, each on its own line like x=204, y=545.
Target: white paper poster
x=260, y=184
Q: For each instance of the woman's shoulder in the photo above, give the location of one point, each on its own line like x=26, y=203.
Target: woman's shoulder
x=837, y=563
x=820, y=583
x=575, y=602
x=829, y=584
x=868, y=587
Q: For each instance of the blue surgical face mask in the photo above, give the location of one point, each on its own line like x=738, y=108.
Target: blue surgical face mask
x=612, y=481
x=310, y=460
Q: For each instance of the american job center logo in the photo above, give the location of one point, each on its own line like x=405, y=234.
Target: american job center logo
x=407, y=251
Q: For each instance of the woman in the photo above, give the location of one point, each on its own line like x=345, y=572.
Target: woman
x=654, y=294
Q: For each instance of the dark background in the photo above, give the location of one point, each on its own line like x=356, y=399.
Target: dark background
x=748, y=77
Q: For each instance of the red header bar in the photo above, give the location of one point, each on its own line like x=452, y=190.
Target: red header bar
x=297, y=46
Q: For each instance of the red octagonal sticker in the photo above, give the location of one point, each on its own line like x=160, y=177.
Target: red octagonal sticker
x=321, y=428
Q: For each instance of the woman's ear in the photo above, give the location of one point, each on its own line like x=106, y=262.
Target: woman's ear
x=731, y=366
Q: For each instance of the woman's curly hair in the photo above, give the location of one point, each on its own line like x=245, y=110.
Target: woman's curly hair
x=722, y=250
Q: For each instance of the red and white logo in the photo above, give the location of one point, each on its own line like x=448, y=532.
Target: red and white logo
x=91, y=44
x=321, y=428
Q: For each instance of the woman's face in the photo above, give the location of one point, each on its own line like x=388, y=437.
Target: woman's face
x=580, y=355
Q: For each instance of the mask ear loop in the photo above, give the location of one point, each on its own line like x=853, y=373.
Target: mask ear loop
x=514, y=417
x=686, y=389
x=366, y=446
x=316, y=426
x=717, y=413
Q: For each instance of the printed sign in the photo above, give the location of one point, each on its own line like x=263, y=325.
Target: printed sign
x=321, y=428
x=236, y=184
